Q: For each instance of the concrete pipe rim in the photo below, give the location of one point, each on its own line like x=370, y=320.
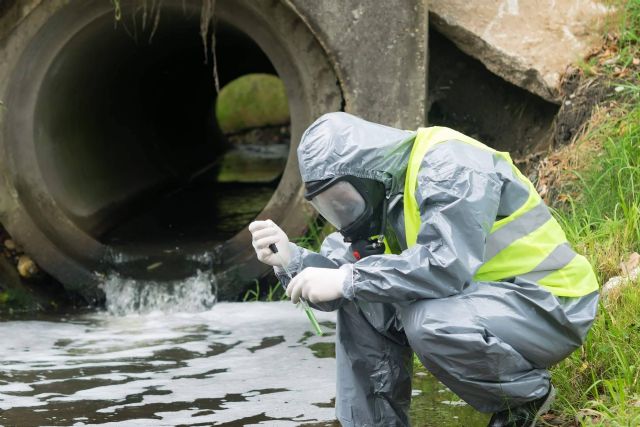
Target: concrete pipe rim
x=36, y=219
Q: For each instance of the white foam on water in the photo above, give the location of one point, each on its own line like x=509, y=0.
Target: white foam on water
x=249, y=359
x=126, y=296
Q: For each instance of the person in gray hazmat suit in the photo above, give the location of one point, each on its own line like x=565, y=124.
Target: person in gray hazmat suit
x=444, y=249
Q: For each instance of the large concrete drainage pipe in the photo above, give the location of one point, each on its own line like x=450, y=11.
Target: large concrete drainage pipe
x=107, y=139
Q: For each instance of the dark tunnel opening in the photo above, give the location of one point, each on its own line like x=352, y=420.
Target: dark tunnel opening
x=114, y=158
x=465, y=95
x=127, y=138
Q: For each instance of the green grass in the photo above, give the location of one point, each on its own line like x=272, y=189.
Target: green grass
x=602, y=378
x=628, y=33
x=317, y=230
x=603, y=222
x=272, y=293
x=602, y=219
x=600, y=383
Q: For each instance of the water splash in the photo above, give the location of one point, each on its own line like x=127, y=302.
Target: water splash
x=128, y=296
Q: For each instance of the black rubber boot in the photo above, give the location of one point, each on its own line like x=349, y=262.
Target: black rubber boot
x=525, y=415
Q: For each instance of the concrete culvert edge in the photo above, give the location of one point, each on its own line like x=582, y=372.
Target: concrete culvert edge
x=91, y=145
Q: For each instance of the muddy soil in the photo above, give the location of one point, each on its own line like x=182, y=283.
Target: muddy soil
x=580, y=96
x=466, y=96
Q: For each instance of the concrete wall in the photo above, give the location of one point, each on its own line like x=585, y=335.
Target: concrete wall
x=379, y=49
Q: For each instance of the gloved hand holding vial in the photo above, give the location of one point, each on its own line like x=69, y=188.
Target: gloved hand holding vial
x=265, y=232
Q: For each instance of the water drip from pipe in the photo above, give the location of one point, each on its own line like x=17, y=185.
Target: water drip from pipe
x=129, y=296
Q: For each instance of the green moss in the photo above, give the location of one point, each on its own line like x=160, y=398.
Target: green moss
x=323, y=350
x=251, y=101
x=16, y=299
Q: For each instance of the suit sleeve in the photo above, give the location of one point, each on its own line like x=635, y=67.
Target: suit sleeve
x=458, y=200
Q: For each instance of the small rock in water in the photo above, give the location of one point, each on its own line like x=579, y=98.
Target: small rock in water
x=26, y=267
x=10, y=244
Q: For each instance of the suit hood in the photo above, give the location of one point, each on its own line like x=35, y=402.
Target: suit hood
x=339, y=144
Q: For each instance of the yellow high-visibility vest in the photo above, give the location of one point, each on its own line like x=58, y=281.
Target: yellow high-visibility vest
x=543, y=255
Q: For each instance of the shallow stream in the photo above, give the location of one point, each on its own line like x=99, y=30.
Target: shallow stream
x=173, y=362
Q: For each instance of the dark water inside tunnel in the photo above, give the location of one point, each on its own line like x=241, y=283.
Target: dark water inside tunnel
x=121, y=137
x=204, y=212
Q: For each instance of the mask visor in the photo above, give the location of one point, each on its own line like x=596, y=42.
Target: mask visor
x=340, y=204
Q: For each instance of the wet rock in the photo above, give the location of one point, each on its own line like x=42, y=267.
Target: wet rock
x=14, y=295
x=37, y=292
x=27, y=268
x=10, y=244
x=588, y=416
x=528, y=43
x=614, y=285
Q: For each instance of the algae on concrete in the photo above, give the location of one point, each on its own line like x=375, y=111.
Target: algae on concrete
x=251, y=101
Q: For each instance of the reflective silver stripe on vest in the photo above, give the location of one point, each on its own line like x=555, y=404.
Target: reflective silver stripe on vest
x=557, y=259
x=516, y=229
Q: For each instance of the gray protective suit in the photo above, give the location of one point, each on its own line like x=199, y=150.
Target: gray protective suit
x=489, y=342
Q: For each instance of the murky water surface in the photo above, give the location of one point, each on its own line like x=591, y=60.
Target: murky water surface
x=236, y=364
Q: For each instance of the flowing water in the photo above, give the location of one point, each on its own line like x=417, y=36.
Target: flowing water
x=170, y=357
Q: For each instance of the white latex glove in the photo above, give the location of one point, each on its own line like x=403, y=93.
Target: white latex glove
x=265, y=233
x=317, y=284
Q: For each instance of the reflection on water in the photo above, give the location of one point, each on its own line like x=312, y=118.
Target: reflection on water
x=234, y=365
x=435, y=405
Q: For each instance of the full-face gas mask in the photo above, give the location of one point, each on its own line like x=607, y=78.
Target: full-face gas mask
x=356, y=207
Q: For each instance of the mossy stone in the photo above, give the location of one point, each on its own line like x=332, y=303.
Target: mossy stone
x=252, y=101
